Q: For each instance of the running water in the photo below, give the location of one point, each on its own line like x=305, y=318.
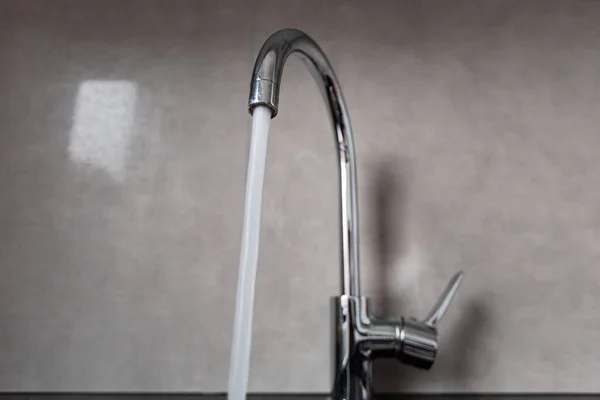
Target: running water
x=239, y=367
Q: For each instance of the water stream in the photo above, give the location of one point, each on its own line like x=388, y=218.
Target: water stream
x=239, y=367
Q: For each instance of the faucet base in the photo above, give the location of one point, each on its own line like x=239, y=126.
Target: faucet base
x=352, y=377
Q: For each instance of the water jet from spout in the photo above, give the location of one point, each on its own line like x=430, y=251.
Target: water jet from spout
x=239, y=367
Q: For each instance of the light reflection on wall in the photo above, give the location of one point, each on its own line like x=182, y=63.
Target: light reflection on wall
x=103, y=124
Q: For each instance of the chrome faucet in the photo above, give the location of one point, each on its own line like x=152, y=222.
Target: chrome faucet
x=359, y=337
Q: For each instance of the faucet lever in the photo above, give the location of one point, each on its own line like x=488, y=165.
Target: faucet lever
x=418, y=342
x=441, y=306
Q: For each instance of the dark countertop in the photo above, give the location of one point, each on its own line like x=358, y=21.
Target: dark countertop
x=282, y=396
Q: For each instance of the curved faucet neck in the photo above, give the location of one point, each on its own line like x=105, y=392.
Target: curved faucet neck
x=264, y=91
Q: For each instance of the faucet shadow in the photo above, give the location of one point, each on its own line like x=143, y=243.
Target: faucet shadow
x=389, y=202
x=456, y=361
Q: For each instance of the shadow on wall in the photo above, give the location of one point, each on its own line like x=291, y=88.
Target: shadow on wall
x=456, y=360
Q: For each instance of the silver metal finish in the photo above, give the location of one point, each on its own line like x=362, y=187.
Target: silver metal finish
x=264, y=90
x=359, y=338
x=439, y=309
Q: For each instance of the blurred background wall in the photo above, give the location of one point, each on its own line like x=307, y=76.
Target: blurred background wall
x=123, y=148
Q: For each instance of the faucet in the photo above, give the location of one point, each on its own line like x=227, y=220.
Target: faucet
x=359, y=337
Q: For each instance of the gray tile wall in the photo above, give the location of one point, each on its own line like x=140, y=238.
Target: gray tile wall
x=123, y=150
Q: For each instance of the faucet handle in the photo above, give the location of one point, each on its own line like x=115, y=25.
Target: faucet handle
x=441, y=305
x=418, y=339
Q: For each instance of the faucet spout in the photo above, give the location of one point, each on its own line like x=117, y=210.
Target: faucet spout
x=264, y=91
